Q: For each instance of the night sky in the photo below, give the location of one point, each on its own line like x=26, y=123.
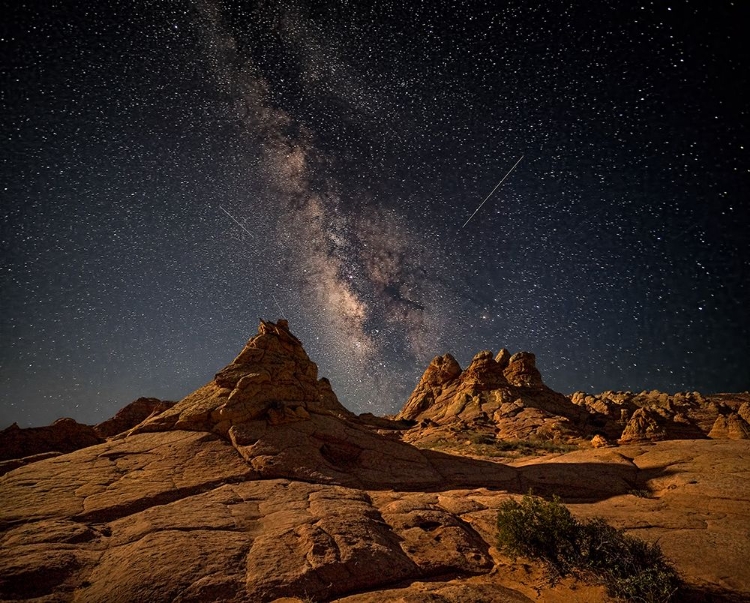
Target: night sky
x=172, y=171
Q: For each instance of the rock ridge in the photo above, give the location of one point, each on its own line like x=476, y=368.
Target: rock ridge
x=500, y=397
x=505, y=398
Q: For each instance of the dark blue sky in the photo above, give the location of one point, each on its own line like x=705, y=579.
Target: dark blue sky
x=351, y=144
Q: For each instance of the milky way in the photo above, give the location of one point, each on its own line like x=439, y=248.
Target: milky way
x=172, y=173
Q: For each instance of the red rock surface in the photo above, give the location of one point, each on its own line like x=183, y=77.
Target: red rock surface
x=261, y=487
x=64, y=435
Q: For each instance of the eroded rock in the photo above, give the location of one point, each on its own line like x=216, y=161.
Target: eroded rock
x=64, y=435
x=502, y=398
x=282, y=493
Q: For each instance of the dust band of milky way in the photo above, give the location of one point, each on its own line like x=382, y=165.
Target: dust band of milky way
x=356, y=262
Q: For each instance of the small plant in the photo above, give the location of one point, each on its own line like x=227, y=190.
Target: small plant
x=640, y=493
x=629, y=567
x=485, y=444
x=533, y=446
x=535, y=528
x=481, y=438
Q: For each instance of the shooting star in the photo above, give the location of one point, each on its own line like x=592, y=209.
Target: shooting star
x=235, y=221
x=493, y=190
x=278, y=306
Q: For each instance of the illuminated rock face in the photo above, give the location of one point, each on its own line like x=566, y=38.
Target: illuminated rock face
x=261, y=485
x=630, y=417
x=271, y=377
x=501, y=397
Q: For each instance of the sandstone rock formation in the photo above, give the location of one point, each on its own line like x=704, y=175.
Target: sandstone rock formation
x=501, y=398
x=731, y=426
x=128, y=417
x=654, y=415
x=64, y=435
x=645, y=424
x=271, y=378
x=260, y=486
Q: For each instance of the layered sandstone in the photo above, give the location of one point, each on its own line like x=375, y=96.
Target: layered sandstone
x=654, y=415
x=260, y=486
x=495, y=398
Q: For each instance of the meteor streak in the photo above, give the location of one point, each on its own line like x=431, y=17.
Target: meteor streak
x=493, y=190
x=278, y=306
x=235, y=221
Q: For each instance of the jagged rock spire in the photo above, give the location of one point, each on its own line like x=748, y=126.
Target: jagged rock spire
x=272, y=377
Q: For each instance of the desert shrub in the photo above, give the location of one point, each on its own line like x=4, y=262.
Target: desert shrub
x=528, y=447
x=481, y=438
x=629, y=567
x=485, y=444
x=535, y=528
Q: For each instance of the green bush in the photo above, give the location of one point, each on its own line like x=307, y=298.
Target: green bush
x=629, y=567
x=481, y=438
x=533, y=446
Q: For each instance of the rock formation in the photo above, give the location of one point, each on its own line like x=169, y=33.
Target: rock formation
x=655, y=415
x=501, y=398
x=131, y=415
x=731, y=426
x=644, y=425
x=64, y=435
x=261, y=486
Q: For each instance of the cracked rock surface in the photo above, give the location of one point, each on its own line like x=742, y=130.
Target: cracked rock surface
x=261, y=487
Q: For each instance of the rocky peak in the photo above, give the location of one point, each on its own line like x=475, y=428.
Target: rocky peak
x=274, y=349
x=272, y=378
x=522, y=372
x=500, y=397
x=441, y=370
x=502, y=358
x=483, y=372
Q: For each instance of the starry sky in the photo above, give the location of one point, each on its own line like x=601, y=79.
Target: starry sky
x=171, y=171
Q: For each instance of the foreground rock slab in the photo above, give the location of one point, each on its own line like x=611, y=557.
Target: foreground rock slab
x=180, y=516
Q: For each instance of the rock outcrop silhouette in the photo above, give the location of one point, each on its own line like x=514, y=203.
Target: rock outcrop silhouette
x=22, y=446
x=131, y=415
x=64, y=435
